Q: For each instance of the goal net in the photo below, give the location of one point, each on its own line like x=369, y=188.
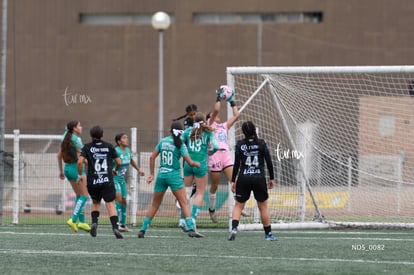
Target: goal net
x=341, y=140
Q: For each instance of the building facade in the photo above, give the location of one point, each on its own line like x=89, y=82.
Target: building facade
x=97, y=60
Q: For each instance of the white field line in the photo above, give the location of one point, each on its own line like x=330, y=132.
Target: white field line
x=126, y=235
x=321, y=233
x=293, y=232
x=85, y=234
x=94, y=253
x=57, y=252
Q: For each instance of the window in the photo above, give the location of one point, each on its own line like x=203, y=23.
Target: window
x=254, y=18
x=117, y=19
x=386, y=125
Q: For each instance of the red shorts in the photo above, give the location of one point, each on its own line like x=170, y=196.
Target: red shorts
x=219, y=161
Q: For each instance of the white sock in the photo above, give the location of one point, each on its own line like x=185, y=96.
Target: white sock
x=213, y=201
x=188, y=192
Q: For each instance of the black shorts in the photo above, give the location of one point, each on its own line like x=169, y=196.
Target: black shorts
x=103, y=191
x=245, y=185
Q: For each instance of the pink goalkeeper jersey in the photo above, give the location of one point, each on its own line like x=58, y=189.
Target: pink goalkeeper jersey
x=220, y=131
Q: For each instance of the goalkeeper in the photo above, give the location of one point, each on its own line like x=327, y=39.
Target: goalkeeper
x=222, y=160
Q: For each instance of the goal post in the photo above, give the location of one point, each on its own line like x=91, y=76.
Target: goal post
x=340, y=139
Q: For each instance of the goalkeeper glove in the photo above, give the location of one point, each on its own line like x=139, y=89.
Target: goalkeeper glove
x=219, y=93
x=232, y=101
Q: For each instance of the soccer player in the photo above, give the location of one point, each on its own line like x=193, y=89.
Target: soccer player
x=125, y=154
x=171, y=150
x=69, y=153
x=100, y=156
x=250, y=155
x=201, y=143
x=190, y=112
x=222, y=160
x=189, y=115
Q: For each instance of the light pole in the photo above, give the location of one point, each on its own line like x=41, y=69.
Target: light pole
x=160, y=21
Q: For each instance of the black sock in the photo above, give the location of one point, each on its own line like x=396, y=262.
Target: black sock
x=95, y=216
x=267, y=229
x=114, y=222
x=234, y=224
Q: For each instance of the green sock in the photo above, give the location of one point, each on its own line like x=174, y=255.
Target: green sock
x=190, y=224
x=79, y=206
x=181, y=214
x=76, y=202
x=81, y=215
x=122, y=218
x=118, y=208
x=146, y=223
x=194, y=211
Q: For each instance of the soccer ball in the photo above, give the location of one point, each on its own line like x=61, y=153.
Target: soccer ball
x=224, y=92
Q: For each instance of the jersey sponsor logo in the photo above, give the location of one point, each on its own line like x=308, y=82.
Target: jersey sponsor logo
x=251, y=163
x=125, y=159
x=167, y=146
x=222, y=137
x=245, y=147
x=165, y=170
x=251, y=171
x=99, y=156
x=98, y=150
x=122, y=171
x=101, y=180
x=219, y=126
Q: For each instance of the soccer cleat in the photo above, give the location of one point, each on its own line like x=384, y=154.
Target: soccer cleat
x=117, y=233
x=94, y=228
x=232, y=235
x=183, y=225
x=270, y=237
x=72, y=225
x=213, y=216
x=194, y=234
x=84, y=226
x=123, y=228
x=141, y=234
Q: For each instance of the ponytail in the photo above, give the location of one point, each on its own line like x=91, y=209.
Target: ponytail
x=190, y=108
x=176, y=130
x=200, y=126
x=67, y=148
x=180, y=117
x=249, y=131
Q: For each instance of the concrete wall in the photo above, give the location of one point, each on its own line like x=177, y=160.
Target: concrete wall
x=59, y=69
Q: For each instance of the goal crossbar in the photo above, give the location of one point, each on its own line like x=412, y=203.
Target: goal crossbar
x=320, y=70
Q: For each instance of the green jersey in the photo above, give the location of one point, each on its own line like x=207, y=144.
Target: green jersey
x=170, y=156
x=126, y=157
x=200, y=147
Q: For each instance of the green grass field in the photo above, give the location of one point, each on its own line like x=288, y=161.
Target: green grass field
x=56, y=250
